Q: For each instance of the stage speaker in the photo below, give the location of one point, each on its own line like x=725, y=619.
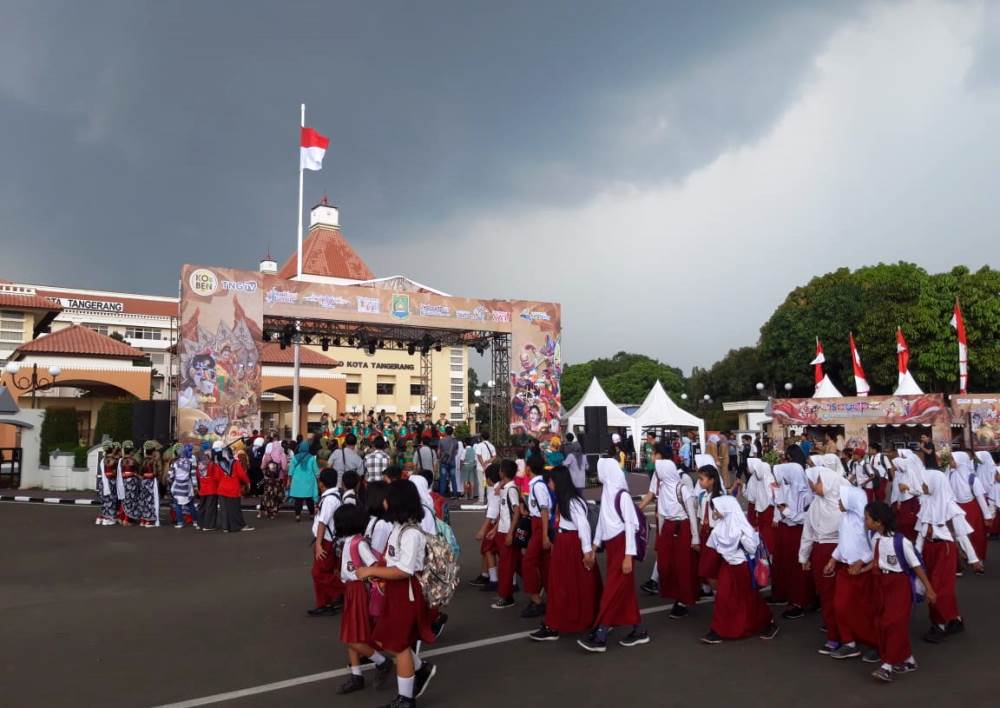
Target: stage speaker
x=595, y=430
x=151, y=421
x=161, y=422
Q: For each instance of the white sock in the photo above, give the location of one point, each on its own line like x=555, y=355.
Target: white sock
x=405, y=686
x=887, y=667
x=849, y=644
x=655, y=577
x=941, y=626
x=493, y=574
x=378, y=658
x=417, y=662
x=355, y=670
x=911, y=660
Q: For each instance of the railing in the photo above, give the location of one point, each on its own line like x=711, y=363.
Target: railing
x=10, y=467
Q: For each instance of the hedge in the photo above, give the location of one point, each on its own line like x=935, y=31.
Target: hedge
x=114, y=420
x=59, y=432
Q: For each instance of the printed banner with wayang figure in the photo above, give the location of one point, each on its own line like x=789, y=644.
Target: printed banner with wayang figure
x=981, y=412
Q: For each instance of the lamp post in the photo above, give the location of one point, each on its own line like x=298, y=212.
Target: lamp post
x=35, y=383
x=788, y=389
x=490, y=384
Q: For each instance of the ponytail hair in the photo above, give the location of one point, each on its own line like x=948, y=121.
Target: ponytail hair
x=883, y=514
x=711, y=473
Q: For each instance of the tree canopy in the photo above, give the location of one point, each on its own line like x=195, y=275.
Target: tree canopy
x=626, y=378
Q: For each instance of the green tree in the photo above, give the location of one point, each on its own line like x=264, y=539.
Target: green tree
x=625, y=377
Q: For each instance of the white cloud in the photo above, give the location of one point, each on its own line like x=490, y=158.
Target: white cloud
x=888, y=153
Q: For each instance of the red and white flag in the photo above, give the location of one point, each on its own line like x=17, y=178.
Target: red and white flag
x=963, y=348
x=860, y=382
x=902, y=352
x=313, y=147
x=818, y=362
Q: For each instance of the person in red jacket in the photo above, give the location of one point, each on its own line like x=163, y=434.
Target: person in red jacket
x=231, y=478
x=208, y=487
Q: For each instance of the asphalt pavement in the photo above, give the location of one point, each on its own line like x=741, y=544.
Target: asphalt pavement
x=95, y=616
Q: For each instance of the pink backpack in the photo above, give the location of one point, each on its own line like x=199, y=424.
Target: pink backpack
x=376, y=597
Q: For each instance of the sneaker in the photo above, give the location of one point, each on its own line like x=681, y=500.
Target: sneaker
x=178, y=526
x=650, y=587
x=438, y=625
x=593, y=644
x=905, y=668
x=423, y=678
x=109, y=522
x=544, y=634
x=935, y=635
x=959, y=573
x=98, y=521
x=829, y=648
x=956, y=626
x=352, y=684
x=678, y=611
x=502, y=604
x=711, y=638
x=196, y=526
x=793, y=613
x=846, y=652
x=383, y=672
x=634, y=638
x=321, y=611
x=770, y=633
x=882, y=675
x=705, y=597
x=401, y=702
x=533, y=610
x=480, y=580
x=981, y=571
x=248, y=528
x=870, y=656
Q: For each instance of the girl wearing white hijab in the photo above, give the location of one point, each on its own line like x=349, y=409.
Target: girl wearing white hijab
x=820, y=535
x=971, y=497
x=710, y=487
x=616, y=529
x=907, y=486
x=739, y=610
x=941, y=525
x=428, y=524
x=854, y=590
x=986, y=468
x=791, y=581
x=763, y=500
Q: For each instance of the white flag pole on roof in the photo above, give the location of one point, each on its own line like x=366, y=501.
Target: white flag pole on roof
x=297, y=350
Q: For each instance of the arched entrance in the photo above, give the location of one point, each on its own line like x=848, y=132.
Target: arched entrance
x=276, y=404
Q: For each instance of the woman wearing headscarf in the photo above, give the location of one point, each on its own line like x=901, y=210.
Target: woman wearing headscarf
x=739, y=610
x=986, y=469
x=762, y=500
x=941, y=529
x=854, y=589
x=791, y=581
x=971, y=497
x=904, y=496
x=232, y=480
x=819, y=537
x=302, y=487
x=616, y=529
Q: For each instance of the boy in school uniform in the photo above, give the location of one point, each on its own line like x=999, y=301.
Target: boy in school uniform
x=487, y=534
x=508, y=555
x=327, y=586
x=535, y=561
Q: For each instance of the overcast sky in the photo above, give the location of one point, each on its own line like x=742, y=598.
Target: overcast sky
x=667, y=171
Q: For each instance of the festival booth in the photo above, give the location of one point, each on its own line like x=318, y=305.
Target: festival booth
x=227, y=315
x=979, y=416
x=596, y=397
x=866, y=419
x=659, y=411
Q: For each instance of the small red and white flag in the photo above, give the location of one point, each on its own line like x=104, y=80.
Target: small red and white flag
x=902, y=352
x=963, y=348
x=313, y=147
x=860, y=382
x=818, y=362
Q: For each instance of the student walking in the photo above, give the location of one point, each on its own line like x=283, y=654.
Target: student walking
x=508, y=555
x=794, y=583
x=819, y=538
x=327, y=586
x=535, y=561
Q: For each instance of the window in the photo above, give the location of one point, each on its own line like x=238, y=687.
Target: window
x=416, y=389
x=99, y=328
x=456, y=368
x=458, y=388
x=385, y=389
x=142, y=333
x=354, y=387
x=11, y=327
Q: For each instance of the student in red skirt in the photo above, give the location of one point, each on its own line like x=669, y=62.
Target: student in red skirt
x=893, y=592
x=616, y=530
x=854, y=589
x=710, y=484
x=487, y=534
x=535, y=560
x=356, y=623
x=378, y=529
x=789, y=576
x=574, y=589
x=739, y=610
x=905, y=492
x=763, y=501
x=327, y=587
x=941, y=530
x=508, y=555
x=406, y=617
x=971, y=498
x=819, y=538
x=986, y=469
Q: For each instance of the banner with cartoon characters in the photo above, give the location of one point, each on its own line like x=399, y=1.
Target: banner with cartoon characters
x=980, y=413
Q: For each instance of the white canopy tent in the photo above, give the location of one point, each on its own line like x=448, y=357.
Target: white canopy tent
x=826, y=389
x=658, y=410
x=595, y=396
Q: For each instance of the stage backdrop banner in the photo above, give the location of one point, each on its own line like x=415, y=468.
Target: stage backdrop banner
x=223, y=306
x=981, y=412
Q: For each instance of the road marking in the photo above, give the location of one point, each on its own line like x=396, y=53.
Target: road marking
x=326, y=675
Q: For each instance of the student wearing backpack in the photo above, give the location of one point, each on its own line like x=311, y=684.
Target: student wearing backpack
x=971, y=498
x=893, y=591
x=487, y=534
x=327, y=586
x=709, y=561
x=356, y=624
x=819, y=538
x=574, y=590
x=905, y=493
x=508, y=555
x=789, y=577
x=406, y=617
x=535, y=561
x=616, y=531
x=378, y=529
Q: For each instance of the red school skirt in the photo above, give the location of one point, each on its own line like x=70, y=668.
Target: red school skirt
x=403, y=620
x=356, y=623
x=573, y=595
x=739, y=609
x=619, y=606
x=768, y=532
x=906, y=517
x=941, y=564
x=826, y=587
x=327, y=587
x=893, y=603
x=709, y=559
x=797, y=583
x=854, y=603
x=677, y=561
x=974, y=515
x=535, y=560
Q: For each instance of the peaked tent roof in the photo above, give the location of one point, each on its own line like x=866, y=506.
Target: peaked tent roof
x=658, y=409
x=826, y=389
x=326, y=252
x=78, y=340
x=907, y=386
x=595, y=396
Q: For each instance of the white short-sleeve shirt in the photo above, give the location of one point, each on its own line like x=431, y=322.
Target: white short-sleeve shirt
x=347, y=567
x=509, y=500
x=493, y=503
x=538, y=497
x=378, y=533
x=406, y=548
x=886, y=552
x=328, y=504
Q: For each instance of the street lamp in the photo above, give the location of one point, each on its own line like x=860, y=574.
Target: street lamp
x=760, y=387
x=706, y=398
x=684, y=396
x=490, y=384
x=788, y=389
x=35, y=383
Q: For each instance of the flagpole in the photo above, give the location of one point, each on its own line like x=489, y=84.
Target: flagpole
x=297, y=350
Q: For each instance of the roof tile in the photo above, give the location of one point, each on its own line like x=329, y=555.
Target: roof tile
x=78, y=341
x=326, y=252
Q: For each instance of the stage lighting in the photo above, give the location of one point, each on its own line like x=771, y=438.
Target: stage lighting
x=381, y=344
x=411, y=348
x=350, y=341
x=308, y=339
x=425, y=349
x=437, y=347
x=325, y=343
x=336, y=341
x=371, y=346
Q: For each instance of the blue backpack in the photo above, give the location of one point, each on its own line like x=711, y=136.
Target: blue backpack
x=642, y=533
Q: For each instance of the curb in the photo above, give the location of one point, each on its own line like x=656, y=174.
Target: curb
x=18, y=499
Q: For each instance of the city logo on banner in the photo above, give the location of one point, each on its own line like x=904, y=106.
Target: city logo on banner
x=429, y=310
x=533, y=315
x=400, y=306
x=282, y=297
x=203, y=282
x=500, y=316
x=369, y=305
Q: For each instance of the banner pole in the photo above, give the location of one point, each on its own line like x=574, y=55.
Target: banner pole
x=297, y=350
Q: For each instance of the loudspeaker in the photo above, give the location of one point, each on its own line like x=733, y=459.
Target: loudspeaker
x=595, y=433
x=151, y=421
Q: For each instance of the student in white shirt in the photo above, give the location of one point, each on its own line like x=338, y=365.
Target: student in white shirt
x=327, y=586
x=406, y=617
x=427, y=523
x=535, y=560
x=487, y=534
x=971, y=497
x=709, y=487
x=986, y=470
x=893, y=600
x=574, y=588
x=904, y=492
x=486, y=453
x=791, y=582
x=508, y=555
x=378, y=529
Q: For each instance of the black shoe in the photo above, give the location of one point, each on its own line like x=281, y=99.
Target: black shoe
x=533, y=610
x=935, y=635
x=490, y=586
x=711, y=638
x=650, y=587
x=480, y=580
x=401, y=702
x=882, y=675
x=383, y=672
x=635, y=638
x=905, y=668
x=502, y=604
x=352, y=684
x=678, y=611
x=956, y=626
x=870, y=656
x=438, y=625
x=772, y=601
x=593, y=644
x=423, y=678
x=793, y=613
x=321, y=611
x=544, y=634
x=814, y=607
x=771, y=632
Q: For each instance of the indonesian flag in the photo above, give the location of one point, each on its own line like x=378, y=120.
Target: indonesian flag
x=312, y=149
x=902, y=352
x=818, y=362
x=963, y=348
x=860, y=382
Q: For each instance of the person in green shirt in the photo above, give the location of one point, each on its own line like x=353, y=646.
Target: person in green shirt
x=648, y=463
